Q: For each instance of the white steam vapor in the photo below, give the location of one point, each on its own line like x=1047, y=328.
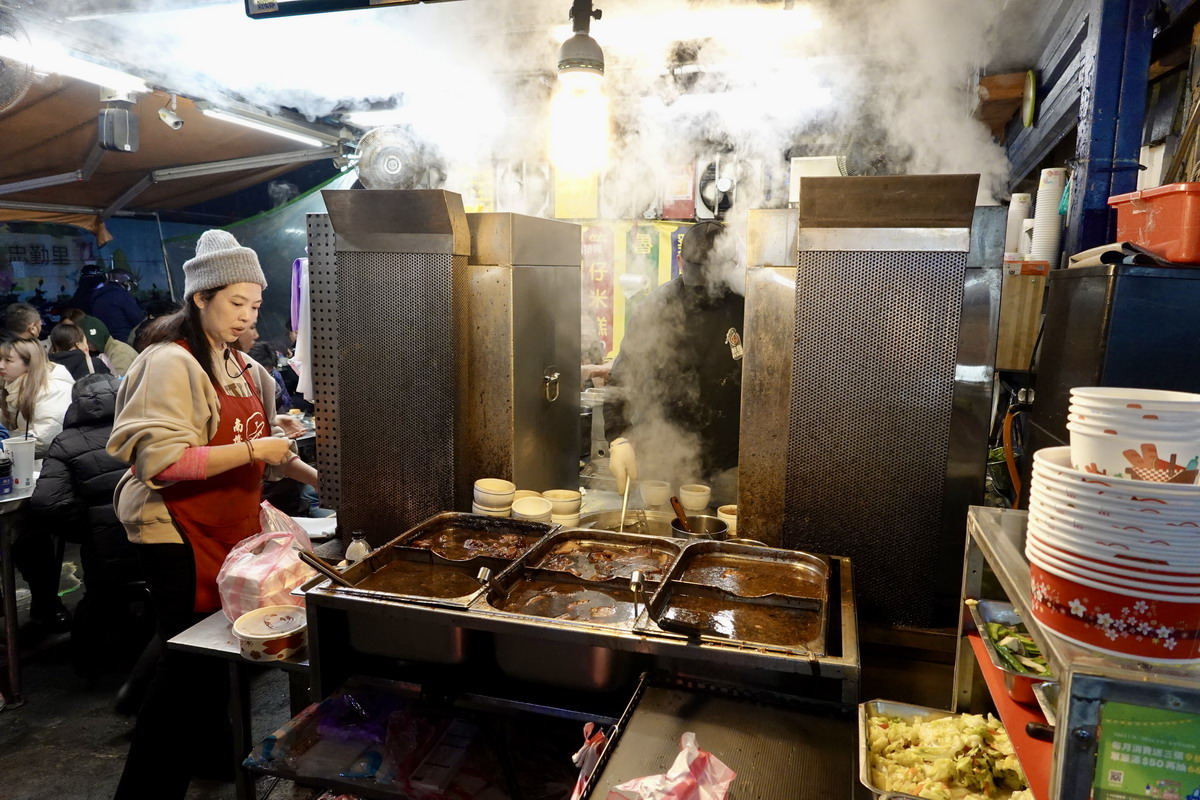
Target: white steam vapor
x=888, y=83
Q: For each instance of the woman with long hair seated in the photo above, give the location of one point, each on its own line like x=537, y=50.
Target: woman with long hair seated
x=195, y=419
x=36, y=395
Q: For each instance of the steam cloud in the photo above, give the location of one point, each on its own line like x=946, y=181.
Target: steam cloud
x=886, y=83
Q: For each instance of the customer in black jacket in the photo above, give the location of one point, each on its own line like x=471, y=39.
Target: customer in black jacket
x=69, y=347
x=74, y=494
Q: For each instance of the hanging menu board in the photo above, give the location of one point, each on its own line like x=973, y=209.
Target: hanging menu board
x=1146, y=752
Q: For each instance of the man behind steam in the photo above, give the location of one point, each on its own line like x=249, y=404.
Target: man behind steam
x=673, y=401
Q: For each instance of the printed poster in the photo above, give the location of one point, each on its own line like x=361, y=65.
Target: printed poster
x=1147, y=753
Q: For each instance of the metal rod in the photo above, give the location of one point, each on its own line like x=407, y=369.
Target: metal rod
x=320, y=566
x=624, y=504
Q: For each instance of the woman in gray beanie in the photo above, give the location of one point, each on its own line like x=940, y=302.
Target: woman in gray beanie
x=195, y=421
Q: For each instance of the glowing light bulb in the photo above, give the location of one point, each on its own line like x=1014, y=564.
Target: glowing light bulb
x=579, y=124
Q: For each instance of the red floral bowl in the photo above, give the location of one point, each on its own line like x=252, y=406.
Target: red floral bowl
x=1112, y=621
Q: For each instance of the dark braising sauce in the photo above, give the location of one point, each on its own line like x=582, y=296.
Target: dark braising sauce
x=606, y=561
x=760, y=624
x=463, y=544
x=420, y=580
x=754, y=578
x=569, y=601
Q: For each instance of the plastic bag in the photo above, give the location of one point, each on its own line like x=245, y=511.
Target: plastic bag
x=588, y=756
x=262, y=570
x=696, y=775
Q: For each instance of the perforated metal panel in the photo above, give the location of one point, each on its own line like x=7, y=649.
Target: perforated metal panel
x=398, y=387
x=873, y=376
x=322, y=283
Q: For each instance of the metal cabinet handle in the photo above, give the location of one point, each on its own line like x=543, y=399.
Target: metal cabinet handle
x=551, y=382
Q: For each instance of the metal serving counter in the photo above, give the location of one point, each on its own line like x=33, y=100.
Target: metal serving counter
x=481, y=638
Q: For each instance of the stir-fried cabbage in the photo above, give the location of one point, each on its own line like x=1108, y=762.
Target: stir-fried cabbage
x=959, y=757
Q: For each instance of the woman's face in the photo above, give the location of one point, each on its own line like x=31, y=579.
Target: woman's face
x=230, y=312
x=12, y=366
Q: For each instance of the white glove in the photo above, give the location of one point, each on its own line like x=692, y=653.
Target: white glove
x=622, y=462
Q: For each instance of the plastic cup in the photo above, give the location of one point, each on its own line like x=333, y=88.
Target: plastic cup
x=22, y=448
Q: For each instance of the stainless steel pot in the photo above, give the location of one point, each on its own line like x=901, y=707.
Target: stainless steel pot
x=702, y=527
x=646, y=523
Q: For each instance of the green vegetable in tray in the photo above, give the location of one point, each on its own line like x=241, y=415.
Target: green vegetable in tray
x=1017, y=649
x=958, y=757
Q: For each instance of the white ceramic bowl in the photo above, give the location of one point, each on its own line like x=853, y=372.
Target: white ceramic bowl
x=525, y=493
x=495, y=493
x=532, y=508
x=694, y=496
x=728, y=515
x=491, y=512
x=567, y=521
x=655, y=493
x=271, y=633
x=1162, y=457
x=563, y=502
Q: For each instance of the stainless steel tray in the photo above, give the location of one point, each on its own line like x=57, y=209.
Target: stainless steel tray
x=456, y=567
x=887, y=708
x=810, y=595
x=533, y=568
x=645, y=523
x=1019, y=685
x=1046, y=693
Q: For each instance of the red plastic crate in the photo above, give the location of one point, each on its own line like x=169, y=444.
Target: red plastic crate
x=1164, y=220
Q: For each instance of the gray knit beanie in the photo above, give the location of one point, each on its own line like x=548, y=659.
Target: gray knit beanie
x=220, y=261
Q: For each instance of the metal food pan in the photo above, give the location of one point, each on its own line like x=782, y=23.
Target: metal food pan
x=886, y=708
x=813, y=568
x=460, y=573
x=1019, y=685
x=1046, y=693
x=604, y=540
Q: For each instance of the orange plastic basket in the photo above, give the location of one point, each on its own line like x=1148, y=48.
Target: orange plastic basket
x=1164, y=220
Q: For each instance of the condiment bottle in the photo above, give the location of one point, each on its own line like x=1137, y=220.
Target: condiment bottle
x=358, y=549
x=6, y=485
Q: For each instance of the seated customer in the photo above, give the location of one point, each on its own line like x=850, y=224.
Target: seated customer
x=68, y=346
x=36, y=395
x=23, y=321
x=116, y=354
x=74, y=497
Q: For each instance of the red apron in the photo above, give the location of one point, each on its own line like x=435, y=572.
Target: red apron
x=216, y=513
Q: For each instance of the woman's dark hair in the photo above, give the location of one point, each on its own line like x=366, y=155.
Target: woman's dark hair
x=65, y=336
x=185, y=324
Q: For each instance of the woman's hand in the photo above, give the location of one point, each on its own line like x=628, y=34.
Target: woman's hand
x=271, y=449
x=292, y=427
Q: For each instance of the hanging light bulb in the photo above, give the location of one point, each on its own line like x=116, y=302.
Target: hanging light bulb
x=579, y=109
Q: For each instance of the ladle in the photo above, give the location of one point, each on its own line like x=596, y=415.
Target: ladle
x=681, y=514
x=624, y=504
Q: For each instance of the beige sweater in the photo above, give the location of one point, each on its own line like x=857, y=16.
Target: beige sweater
x=165, y=405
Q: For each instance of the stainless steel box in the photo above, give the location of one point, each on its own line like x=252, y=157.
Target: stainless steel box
x=523, y=343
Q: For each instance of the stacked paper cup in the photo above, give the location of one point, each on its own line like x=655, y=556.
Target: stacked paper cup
x=1114, y=525
x=1018, y=212
x=1047, y=222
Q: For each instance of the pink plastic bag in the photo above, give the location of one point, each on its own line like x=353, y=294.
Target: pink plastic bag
x=263, y=569
x=696, y=775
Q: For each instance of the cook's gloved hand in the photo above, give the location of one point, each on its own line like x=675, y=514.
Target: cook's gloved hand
x=622, y=462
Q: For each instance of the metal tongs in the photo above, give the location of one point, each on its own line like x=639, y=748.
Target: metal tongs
x=321, y=566
x=638, y=587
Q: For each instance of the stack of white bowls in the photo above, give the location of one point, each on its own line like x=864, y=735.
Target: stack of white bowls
x=564, y=506
x=1140, y=434
x=493, y=497
x=533, y=509
x=1115, y=562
